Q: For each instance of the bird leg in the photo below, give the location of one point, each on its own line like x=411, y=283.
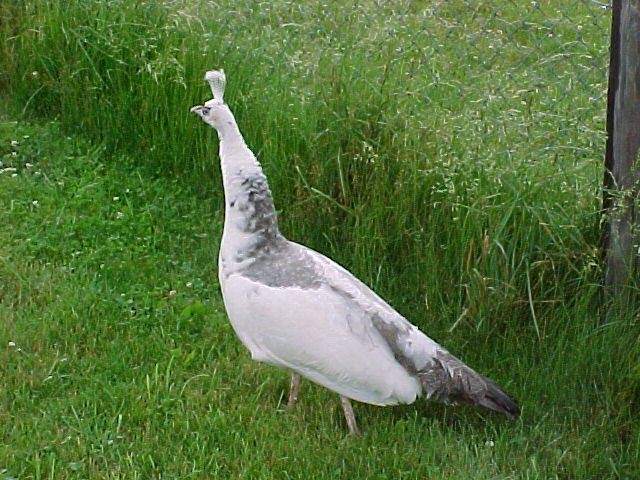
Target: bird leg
x=293, y=391
x=349, y=416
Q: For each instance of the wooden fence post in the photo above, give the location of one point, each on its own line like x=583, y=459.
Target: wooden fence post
x=621, y=229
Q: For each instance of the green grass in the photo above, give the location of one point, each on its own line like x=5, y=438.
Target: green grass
x=450, y=154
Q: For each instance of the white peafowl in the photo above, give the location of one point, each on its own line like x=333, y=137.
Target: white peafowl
x=292, y=307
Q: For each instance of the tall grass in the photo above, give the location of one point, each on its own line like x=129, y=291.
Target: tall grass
x=450, y=154
x=445, y=141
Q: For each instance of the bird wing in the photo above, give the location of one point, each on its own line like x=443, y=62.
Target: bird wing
x=410, y=346
x=442, y=376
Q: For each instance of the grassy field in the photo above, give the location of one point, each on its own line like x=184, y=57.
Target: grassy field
x=450, y=154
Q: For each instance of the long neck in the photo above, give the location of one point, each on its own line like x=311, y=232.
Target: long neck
x=250, y=215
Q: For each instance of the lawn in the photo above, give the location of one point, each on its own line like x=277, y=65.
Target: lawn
x=449, y=154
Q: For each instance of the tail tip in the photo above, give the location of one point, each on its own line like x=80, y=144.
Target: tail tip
x=498, y=401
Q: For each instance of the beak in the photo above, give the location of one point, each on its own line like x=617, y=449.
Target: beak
x=199, y=110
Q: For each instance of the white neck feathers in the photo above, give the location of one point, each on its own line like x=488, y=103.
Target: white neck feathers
x=250, y=216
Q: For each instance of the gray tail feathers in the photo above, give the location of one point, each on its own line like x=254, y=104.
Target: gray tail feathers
x=449, y=380
x=498, y=401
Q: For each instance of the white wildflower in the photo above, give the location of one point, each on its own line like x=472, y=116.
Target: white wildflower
x=119, y=215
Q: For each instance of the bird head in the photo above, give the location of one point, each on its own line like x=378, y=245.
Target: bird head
x=215, y=112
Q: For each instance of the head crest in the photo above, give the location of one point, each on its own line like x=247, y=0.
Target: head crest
x=217, y=81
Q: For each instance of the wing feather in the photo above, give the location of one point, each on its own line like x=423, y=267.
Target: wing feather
x=442, y=376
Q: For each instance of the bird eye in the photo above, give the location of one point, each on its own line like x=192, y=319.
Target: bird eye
x=205, y=110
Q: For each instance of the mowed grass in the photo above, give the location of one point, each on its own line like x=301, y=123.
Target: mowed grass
x=449, y=154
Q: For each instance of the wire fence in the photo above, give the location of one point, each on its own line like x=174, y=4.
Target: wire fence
x=558, y=48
